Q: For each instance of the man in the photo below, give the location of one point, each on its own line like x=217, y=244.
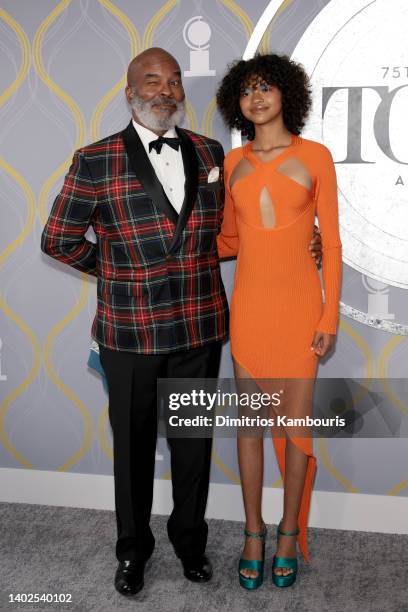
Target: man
x=150, y=196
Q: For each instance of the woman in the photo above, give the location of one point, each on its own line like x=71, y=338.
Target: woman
x=275, y=185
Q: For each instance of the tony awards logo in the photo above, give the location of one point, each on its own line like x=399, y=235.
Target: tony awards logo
x=356, y=56
x=196, y=34
x=378, y=293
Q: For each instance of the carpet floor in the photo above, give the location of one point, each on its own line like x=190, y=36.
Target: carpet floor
x=67, y=550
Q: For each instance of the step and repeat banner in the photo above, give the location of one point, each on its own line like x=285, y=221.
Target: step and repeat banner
x=62, y=79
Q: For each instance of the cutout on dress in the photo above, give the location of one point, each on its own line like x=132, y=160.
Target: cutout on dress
x=267, y=209
x=297, y=172
x=242, y=169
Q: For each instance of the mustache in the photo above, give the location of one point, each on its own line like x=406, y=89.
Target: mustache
x=162, y=102
x=144, y=110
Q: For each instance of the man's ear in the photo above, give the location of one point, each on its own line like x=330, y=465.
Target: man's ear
x=128, y=93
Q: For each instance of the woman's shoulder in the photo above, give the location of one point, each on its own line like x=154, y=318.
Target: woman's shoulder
x=315, y=149
x=233, y=157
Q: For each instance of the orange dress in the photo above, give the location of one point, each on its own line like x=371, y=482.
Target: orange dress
x=276, y=304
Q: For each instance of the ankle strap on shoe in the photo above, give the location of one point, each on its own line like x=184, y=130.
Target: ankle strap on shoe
x=256, y=534
x=288, y=533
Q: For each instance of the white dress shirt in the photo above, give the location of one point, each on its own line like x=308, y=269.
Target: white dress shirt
x=168, y=165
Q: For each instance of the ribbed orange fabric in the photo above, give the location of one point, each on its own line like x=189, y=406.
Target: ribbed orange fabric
x=277, y=304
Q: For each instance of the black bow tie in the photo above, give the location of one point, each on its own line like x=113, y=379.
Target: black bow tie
x=174, y=143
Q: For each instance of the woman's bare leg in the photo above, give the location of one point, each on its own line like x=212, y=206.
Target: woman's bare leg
x=297, y=404
x=295, y=472
x=251, y=462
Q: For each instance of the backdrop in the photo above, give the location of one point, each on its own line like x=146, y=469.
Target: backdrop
x=61, y=87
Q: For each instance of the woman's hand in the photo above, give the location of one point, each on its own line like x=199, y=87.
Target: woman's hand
x=322, y=343
x=315, y=246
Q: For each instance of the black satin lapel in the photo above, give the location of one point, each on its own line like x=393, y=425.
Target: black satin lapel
x=141, y=166
x=190, y=163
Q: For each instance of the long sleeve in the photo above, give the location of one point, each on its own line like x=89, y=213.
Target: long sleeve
x=327, y=213
x=63, y=237
x=227, y=239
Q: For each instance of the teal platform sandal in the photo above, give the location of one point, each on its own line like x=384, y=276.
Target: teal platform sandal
x=256, y=565
x=291, y=562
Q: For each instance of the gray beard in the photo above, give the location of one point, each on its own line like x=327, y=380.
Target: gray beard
x=144, y=112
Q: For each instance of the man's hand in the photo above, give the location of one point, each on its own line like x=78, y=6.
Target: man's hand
x=322, y=343
x=315, y=246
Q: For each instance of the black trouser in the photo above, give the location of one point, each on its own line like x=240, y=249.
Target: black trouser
x=132, y=382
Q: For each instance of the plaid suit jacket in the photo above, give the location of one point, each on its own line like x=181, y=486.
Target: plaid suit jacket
x=159, y=287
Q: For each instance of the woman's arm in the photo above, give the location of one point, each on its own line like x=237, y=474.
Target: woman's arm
x=327, y=213
x=227, y=239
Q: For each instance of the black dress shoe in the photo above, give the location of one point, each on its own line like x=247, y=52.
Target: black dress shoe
x=197, y=569
x=129, y=577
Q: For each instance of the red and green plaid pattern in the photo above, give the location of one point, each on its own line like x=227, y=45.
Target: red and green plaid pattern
x=155, y=294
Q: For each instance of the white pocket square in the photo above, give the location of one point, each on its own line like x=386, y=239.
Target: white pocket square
x=213, y=175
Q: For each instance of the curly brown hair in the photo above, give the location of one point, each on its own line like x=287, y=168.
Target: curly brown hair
x=278, y=70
